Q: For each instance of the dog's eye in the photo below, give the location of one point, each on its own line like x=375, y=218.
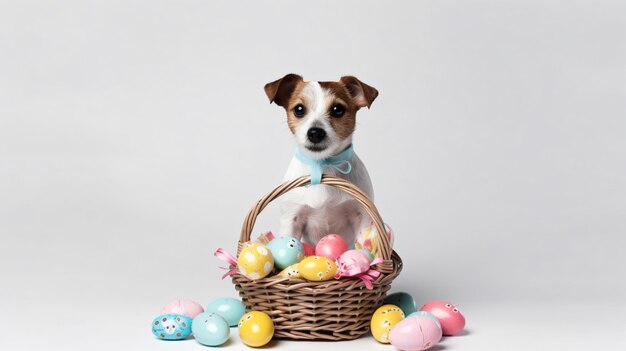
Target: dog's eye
x=299, y=110
x=337, y=110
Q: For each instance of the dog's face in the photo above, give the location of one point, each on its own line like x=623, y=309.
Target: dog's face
x=321, y=115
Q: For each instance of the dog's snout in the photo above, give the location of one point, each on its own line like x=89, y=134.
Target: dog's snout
x=316, y=135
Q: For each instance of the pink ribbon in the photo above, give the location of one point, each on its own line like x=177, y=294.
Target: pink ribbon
x=228, y=258
x=351, y=270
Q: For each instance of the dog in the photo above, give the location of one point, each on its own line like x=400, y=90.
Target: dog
x=322, y=118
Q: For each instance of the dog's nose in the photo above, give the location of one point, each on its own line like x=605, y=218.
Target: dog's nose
x=316, y=135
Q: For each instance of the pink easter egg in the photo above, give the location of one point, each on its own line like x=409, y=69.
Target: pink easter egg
x=354, y=261
x=451, y=319
x=415, y=333
x=331, y=246
x=185, y=307
x=309, y=250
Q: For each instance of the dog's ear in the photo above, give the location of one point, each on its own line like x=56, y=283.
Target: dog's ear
x=362, y=94
x=279, y=91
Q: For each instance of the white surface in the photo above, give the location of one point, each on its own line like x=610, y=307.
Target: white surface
x=129, y=131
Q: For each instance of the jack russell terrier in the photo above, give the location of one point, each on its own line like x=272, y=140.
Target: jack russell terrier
x=322, y=116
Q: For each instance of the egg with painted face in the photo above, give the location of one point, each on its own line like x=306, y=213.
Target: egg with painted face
x=368, y=239
x=450, y=317
x=255, y=261
x=286, y=251
x=228, y=308
x=210, y=329
x=415, y=333
x=171, y=326
x=383, y=321
x=291, y=272
x=256, y=328
x=317, y=268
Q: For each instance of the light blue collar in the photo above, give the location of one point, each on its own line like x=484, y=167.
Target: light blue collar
x=317, y=166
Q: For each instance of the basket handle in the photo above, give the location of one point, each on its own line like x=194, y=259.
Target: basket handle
x=339, y=183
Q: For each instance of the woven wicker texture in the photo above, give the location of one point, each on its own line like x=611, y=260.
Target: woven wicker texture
x=329, y=310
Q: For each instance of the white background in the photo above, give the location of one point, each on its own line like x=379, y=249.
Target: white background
x=135, y=135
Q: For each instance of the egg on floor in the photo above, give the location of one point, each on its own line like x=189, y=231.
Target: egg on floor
x=256, y=328
x=255, y=261
x=171, y=326
x=415, y=333
x=228, y=308
x=426, y=314
x=383, y=320
x=210, y=329
x=450, y=317
x=184, y=307
x=317, y=268
x=403, y=300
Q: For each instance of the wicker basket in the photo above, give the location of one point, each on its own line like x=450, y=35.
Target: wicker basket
x=328, y=310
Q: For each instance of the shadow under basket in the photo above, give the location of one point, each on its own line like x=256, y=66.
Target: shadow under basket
x=327, y=310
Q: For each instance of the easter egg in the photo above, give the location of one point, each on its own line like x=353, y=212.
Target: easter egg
x=291, y=272
x=286, y=251
x=255, y=261
x=228, y=308
x=317, y=268
x=367, y=253
x=171, y=326
x=352, y=263
x=383, y=321
x=402, y=300
x=210, y=329
x=256, y=328
x=426, y=314
x=450, y=317
x=331, y=246
x=309, y=250
x=368, y=239
x=185, y=307
x=415, y=334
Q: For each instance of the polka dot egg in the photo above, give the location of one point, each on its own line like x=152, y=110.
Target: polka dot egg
x=255, y=261
x=383, y=321
x=317, y=268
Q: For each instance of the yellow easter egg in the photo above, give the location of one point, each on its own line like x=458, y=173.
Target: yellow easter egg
x=255, y=261
x=291, y=272
x=256, y=328
x=317, y=268
x=383, y=320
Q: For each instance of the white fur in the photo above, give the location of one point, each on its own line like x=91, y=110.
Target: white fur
x=311, y=213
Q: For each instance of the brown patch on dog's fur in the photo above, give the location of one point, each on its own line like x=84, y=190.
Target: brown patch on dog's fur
x=338, y=94
x=297, y=98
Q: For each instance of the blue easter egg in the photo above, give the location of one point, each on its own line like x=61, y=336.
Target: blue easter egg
x=403, y=300
x=228, y=308
x=210, y=329
x=171, y=326
x=286, y=251
x=368, y=253
x=426, y=314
